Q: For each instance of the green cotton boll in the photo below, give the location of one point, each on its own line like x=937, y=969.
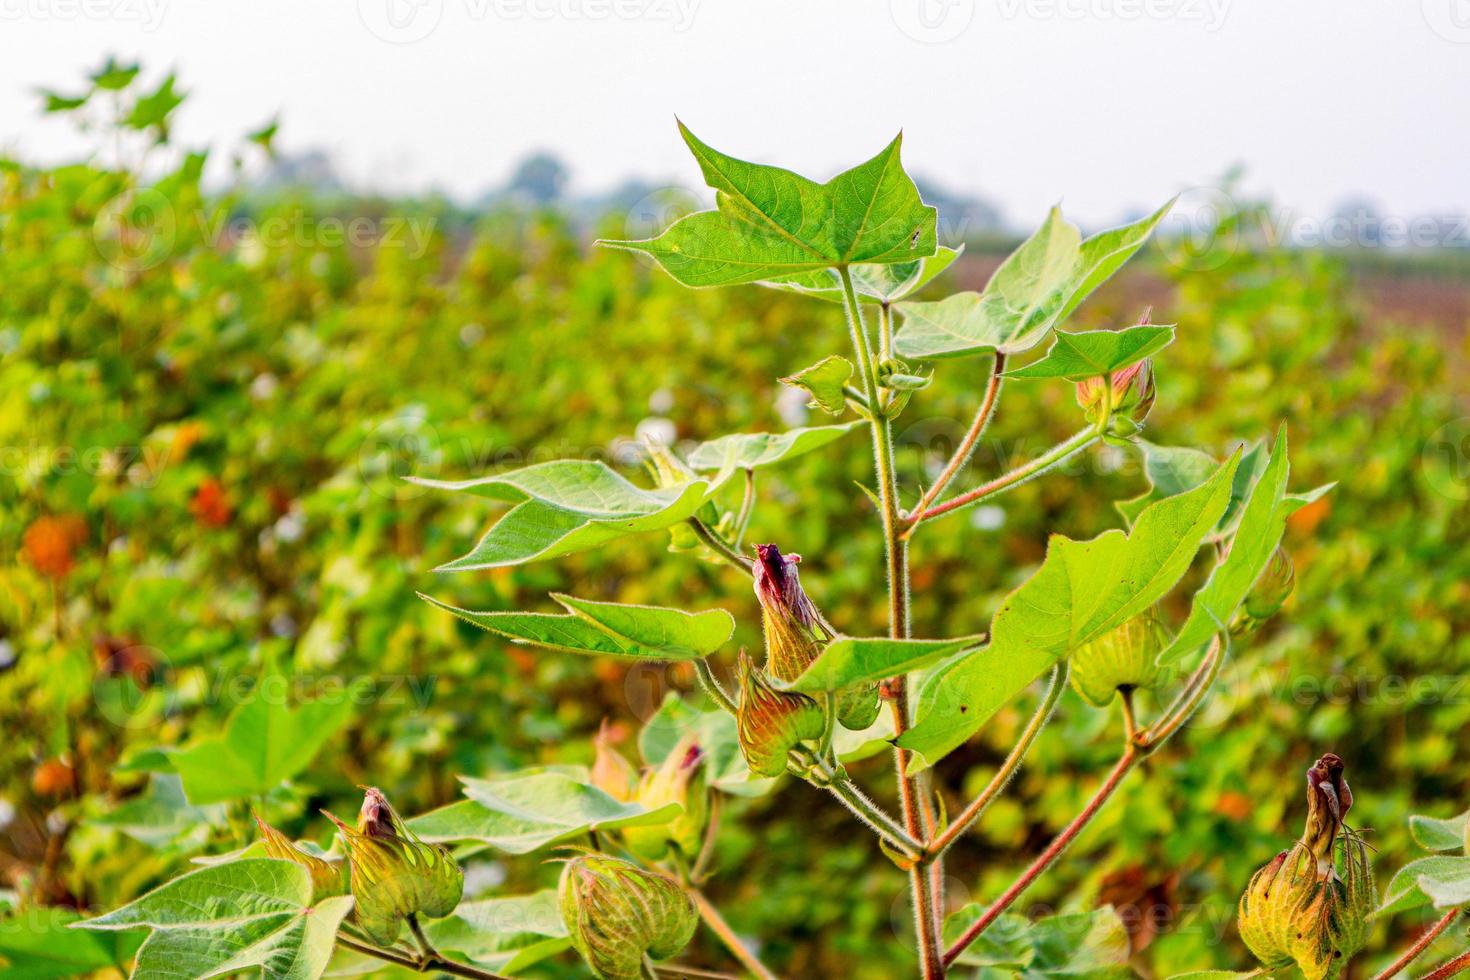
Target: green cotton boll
x=1126, y=657
x=770, y=722
x=616, y=913
x=394, y=874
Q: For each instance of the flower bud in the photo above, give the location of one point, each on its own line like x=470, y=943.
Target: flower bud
x=1311, y=905
x=611, y=771
x=771, y=722
x=394, y=874
x=616, y=913
x=1133, y=393
x=683, y=778
x=326, y=878
x=1126, y=657
x=796, y=633
x=1273, y=588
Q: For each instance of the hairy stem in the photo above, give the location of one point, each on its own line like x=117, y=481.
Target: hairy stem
x=712, y=685
x=966, y=448
x=1459, y=964
x=1059, y=453
x=747, y=506
x=423, y=964
x=1054, y=850
x=719, y=547
x=863, y=808
x=1188, y=699
x=898, y=622
x=721, y=928
x=1008, y=768
x=1420, y=945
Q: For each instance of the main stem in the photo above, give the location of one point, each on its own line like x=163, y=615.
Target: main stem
x=1459, y=964
x=925, y=899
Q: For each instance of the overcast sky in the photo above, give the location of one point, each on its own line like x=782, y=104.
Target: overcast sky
x=1106, y=105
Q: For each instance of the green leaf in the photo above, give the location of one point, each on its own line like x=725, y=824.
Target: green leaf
x=523, y=812
x=1034, y=290
x=56, y=102
x=163, y=815
x=717, y=736
x=772, y=223
x=1094, y=353
x=1445, y=881
x=747, y=451
x=265, y=742
x=1172, y=470
x=873, y=283
x=1434, y=834
x=1092, y=944
x=230, y=917
x=1082, y=590
x=261, y=888
x=1260, y=529
x=856, y=660
x=114, y=76
x=824, y=380
x=609, y=629
x=152, y=110
x=39, y=945
x=505, y=935
x=566, y=506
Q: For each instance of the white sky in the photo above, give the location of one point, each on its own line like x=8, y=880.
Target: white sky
x=1107, y=105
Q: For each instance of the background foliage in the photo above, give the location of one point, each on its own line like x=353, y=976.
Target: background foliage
x=203, y=432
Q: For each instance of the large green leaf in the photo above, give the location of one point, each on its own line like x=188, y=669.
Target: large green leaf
x=230, y=917
x=747, y=451
x=523, y=812
x=1082, y=590
x=1034, y=290
x=609, y=629
x=851, y=660
x=265, y=742
x=1094, y=353
x=1434, y=834
x=566, y=506
x=771, y=223
x=1445, y=881
x=1259, y=531
x=505, y=935
x=39, y=944
x=873, y=283
x=824, y=381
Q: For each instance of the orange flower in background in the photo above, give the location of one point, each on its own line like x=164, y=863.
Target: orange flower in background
x=50, y=544
x=54, y=777
x=211, y=504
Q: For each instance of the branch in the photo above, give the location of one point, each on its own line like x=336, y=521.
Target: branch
x=422, y=964
x=719, y=547
x=1054, y=850
x=966, y=448
x=712, y=685
x=1420, y=945
x=1457, y=965
x=1188, y=699
x=747, y=505
x=1008, y=768
x=721, y=928
x=1057, y=454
